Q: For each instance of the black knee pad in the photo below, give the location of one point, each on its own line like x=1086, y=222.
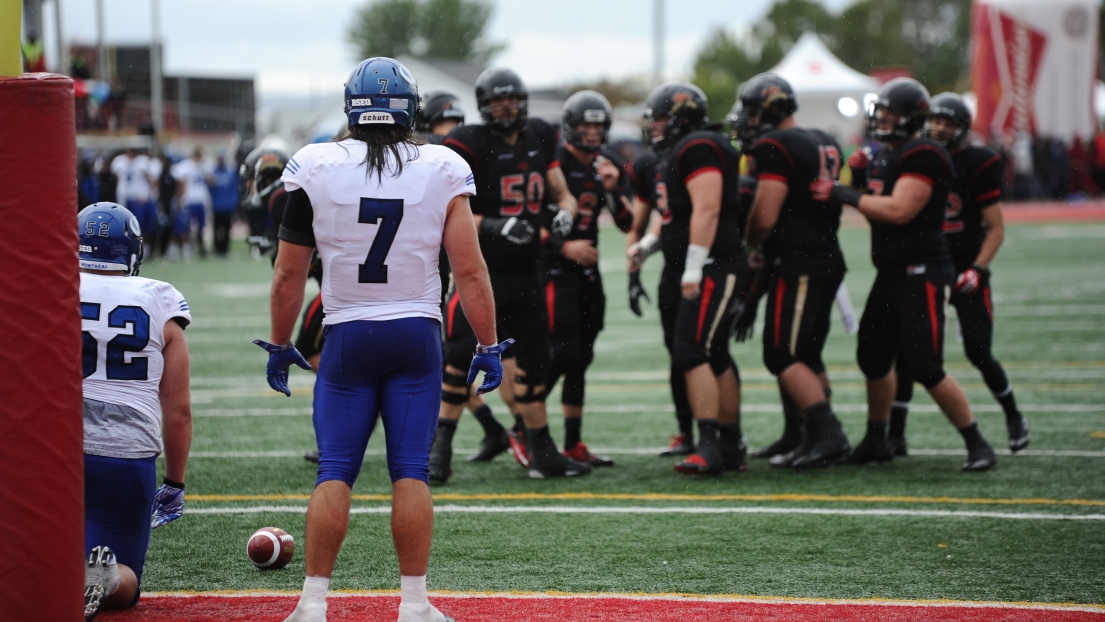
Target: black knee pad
x=685, y=356
x=458, y=381
x=873, y=362
x=571, y=393
x=776, y=360
x=720, y=361
x=928, y=375
x=531, y=395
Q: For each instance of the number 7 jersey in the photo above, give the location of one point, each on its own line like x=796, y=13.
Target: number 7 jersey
x=123, y=331
x=378, y=237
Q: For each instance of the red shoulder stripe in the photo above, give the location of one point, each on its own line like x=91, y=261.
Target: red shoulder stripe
x=701, y=171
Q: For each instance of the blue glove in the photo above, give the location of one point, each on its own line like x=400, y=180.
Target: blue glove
x=487, y=360
x=280, y=359
x=168, y=505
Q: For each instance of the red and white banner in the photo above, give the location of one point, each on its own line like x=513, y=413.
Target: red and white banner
x=1034, y=66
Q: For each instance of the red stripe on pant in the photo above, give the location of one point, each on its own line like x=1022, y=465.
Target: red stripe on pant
x=452, y=312
x=550, y=303
x=780, y=293
x=314, y=309
x=989, y=304
x=703, y=305
x=930, y=292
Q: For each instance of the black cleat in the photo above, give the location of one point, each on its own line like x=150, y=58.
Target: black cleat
x=823, y=453
x=491, y=447
x=784, y=461
x=680, y=446
x=870, y=449
x=705, y=461
x=784, y=445
x=734, y=458
x=311, y=456
x=898, y=446
x=517, y=440
x=1018, y=433
x=557, y=465
x=581, y=453
x=93, y=600
x=980, y=458
x=441, y=458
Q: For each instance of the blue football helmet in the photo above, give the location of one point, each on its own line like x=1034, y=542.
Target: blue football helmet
x=381, y=90
x=110, y=238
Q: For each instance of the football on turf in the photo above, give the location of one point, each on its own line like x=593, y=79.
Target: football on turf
x=270, y=548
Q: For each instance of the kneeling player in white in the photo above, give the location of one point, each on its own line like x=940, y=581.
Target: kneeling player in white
x=135, y=364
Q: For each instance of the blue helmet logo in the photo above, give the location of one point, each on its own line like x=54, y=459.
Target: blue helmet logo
x=110, y=238
x=381, y=91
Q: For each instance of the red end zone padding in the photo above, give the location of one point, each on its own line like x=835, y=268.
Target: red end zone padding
x=41, y=429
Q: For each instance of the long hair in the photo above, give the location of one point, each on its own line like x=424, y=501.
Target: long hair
x=380, y=140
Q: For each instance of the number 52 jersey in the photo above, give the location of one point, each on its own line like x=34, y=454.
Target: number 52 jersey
x=123, y=331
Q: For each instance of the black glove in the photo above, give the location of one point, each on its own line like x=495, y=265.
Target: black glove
x=636, y=292
x=511, y=228
x=750, y=296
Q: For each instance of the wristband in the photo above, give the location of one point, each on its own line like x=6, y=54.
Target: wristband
x=696, y=259
x=169, y=482
x=554, y=242
x=648, y=245
x=486, y=349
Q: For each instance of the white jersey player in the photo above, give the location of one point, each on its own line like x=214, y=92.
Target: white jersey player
x=378, y=206
x=136, y=403
x=136, y=176
x=380, y=257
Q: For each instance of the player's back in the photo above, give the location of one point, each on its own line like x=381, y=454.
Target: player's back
x=123, y=322
x=698, y=152
x=379, y=236
x=804, y=236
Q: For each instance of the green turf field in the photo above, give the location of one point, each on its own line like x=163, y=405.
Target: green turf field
x=1031, y=530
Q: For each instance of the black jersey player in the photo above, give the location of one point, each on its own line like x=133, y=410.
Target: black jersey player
x=574, y=296
x=513, y=161
x=907, y=181
x=643, y=241
x=803, y=263
x=974, y=229
x=697, y=194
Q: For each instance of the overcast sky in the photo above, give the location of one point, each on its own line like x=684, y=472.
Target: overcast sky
x=294, y=47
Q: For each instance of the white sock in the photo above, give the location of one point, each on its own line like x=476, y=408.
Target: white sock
x=413, y=590
x=314, y=590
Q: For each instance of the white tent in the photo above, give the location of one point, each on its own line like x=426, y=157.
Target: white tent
x=830, y=93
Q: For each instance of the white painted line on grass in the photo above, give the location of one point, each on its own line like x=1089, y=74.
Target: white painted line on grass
x=634, y=408
x=563, y=509
x=645, y=451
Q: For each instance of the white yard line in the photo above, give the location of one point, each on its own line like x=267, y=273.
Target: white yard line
x=645, y=451
x=562, y=509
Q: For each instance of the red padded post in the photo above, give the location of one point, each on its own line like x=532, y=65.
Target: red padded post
x=41, y=426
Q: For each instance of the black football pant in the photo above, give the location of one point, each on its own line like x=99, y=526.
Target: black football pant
x=668, y=295
x=976, y=321
x=576, y=305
